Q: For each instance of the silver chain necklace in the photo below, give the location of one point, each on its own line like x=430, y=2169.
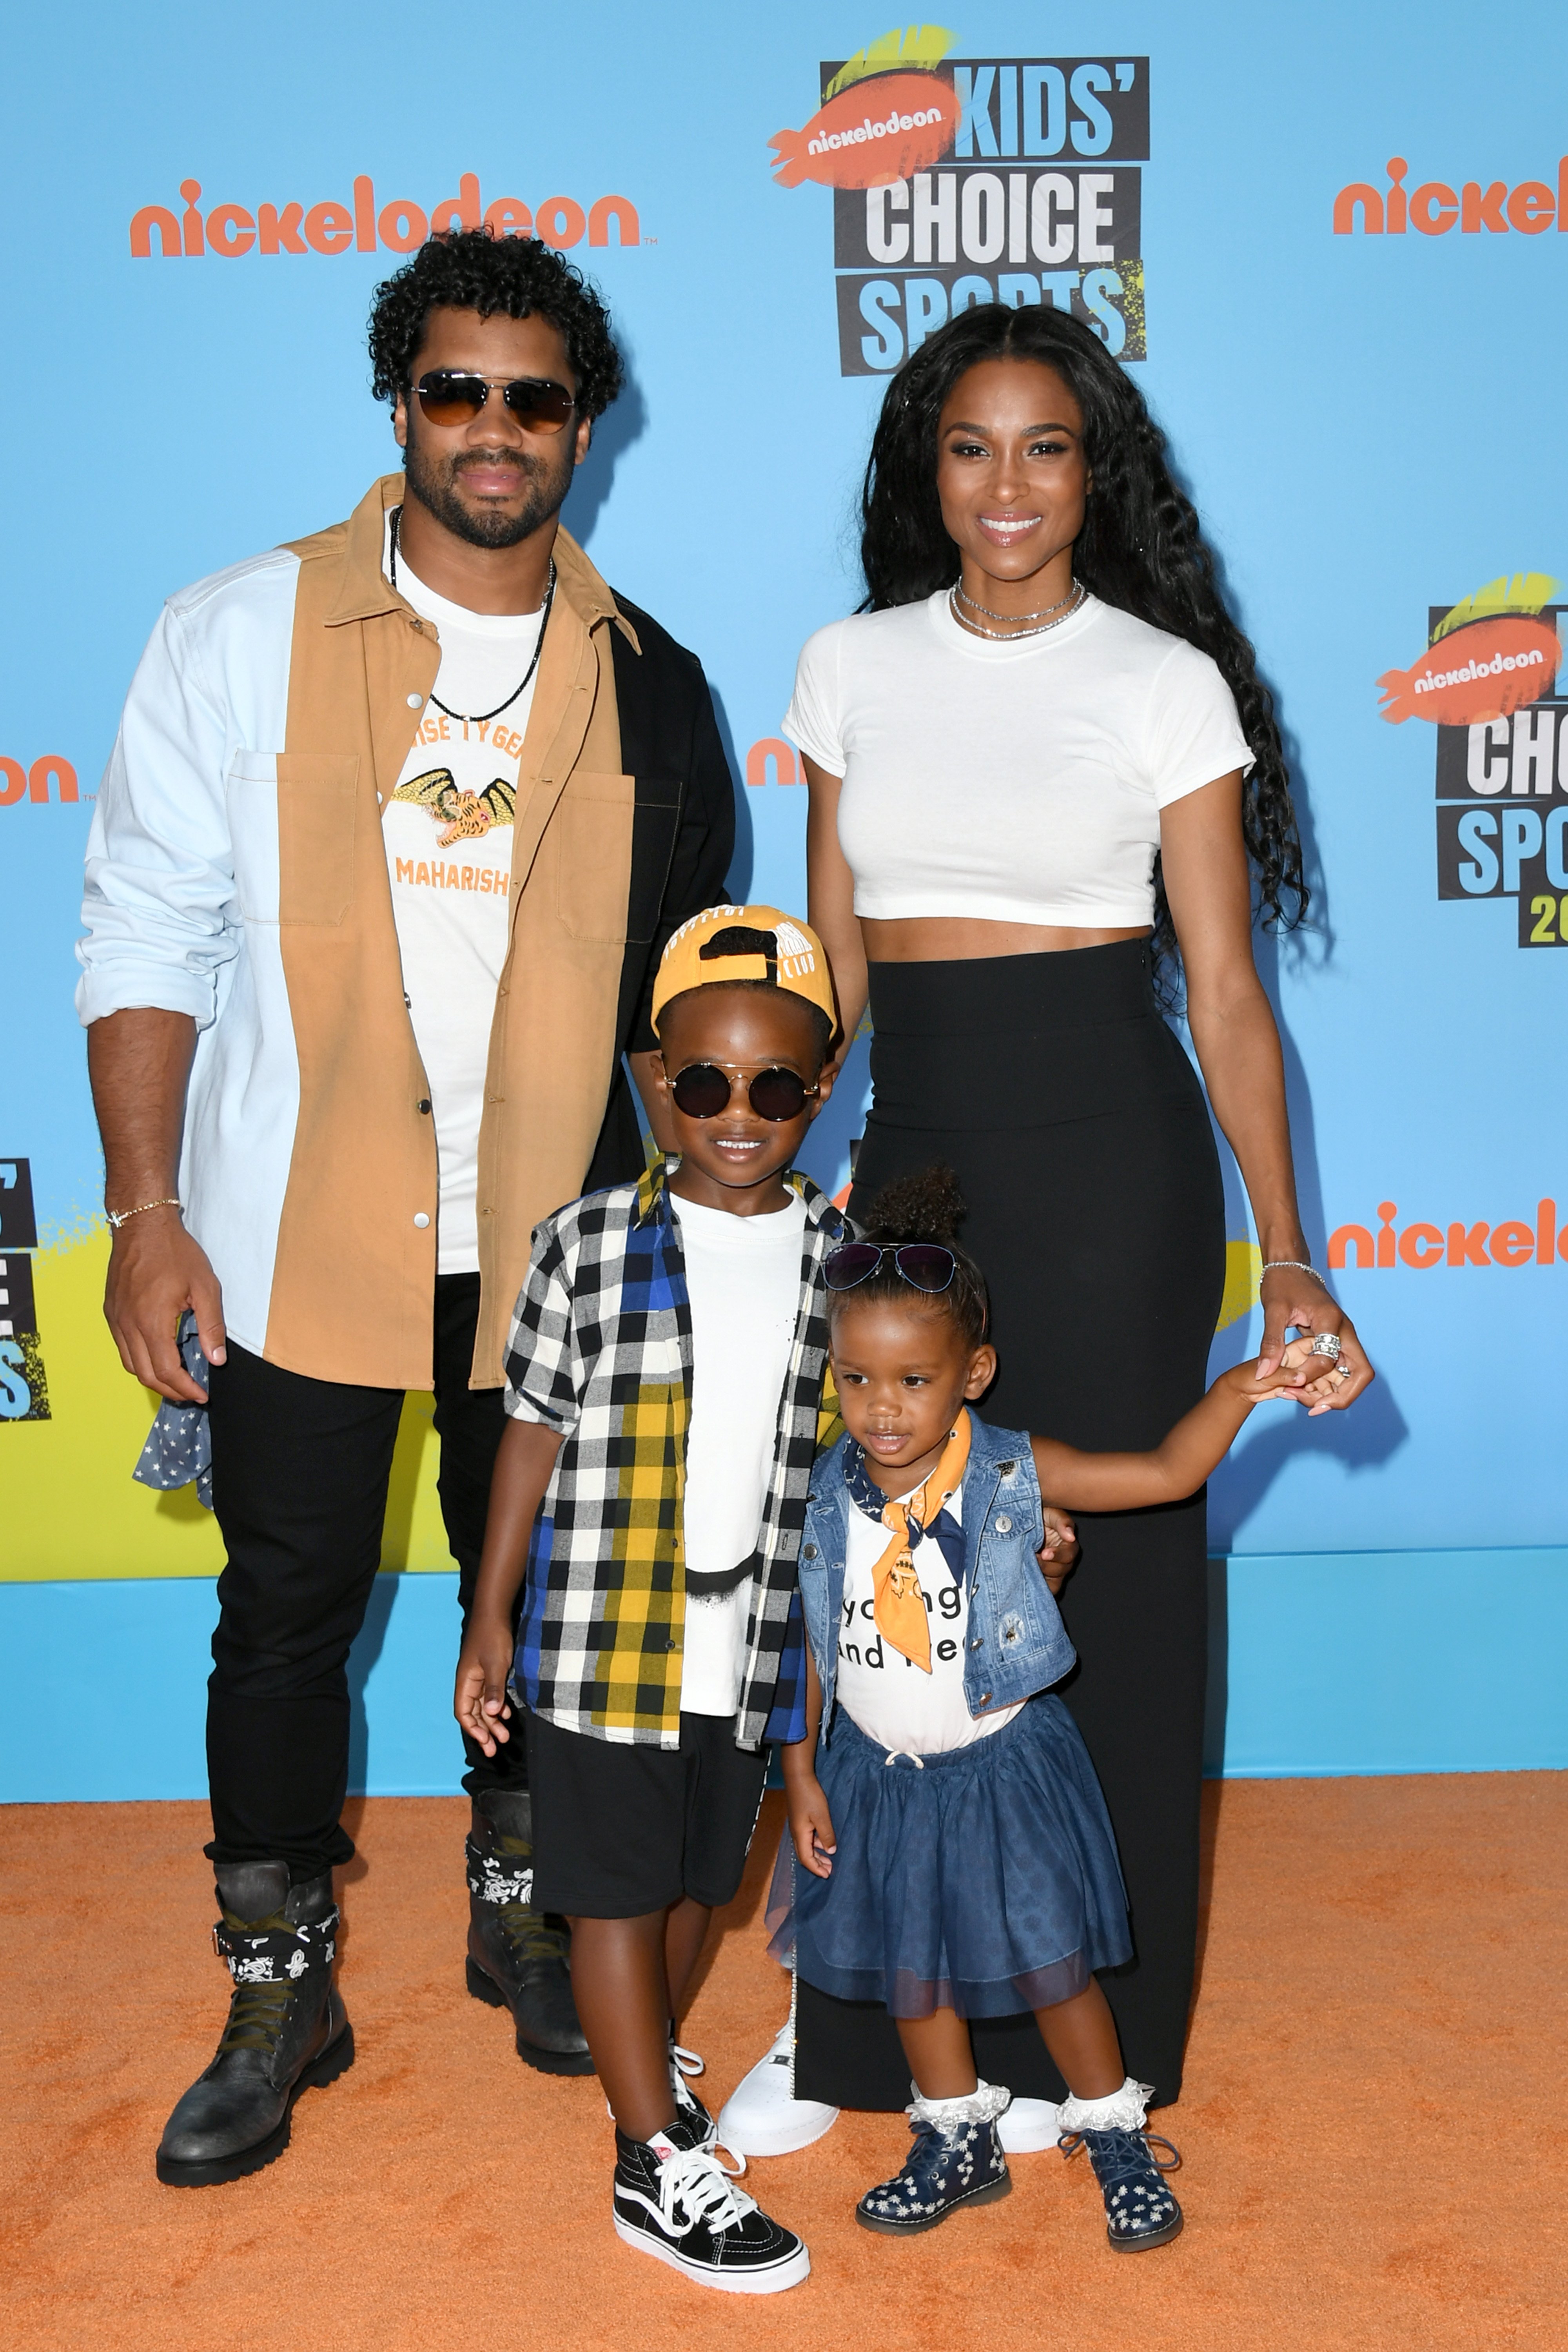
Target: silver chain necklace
x=482, y=718
x=961, y=593
x=1009, y=636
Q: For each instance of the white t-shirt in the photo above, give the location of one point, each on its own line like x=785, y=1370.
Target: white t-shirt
x=742, y=1277
x=885, y=1694
x=450, y=896
x=1020, y=783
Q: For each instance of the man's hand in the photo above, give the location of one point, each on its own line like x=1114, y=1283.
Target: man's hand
x=155, y=1271
x=480, y=1702
x=811, y=1824
x=140, y=1062
x=1058, y=1556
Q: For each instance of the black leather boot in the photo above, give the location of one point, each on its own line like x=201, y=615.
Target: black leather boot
x=518, y=1957
x=286, y=2027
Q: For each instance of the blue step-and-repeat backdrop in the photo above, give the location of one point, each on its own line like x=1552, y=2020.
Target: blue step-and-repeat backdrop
x=1332, y=249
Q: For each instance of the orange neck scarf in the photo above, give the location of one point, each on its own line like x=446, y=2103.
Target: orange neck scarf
x=899, y=1608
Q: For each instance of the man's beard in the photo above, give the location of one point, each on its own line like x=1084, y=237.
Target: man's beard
x=435, y=484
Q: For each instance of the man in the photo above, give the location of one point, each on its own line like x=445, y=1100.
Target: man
x=398, y=823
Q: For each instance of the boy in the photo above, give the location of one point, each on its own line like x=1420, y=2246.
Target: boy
x=665, y=1378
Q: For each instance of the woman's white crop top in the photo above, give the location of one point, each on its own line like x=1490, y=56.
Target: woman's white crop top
x=1020, y=783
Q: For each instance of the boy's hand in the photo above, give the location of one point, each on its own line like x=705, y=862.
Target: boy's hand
x=480, y=1703
x=811, y=1826
x=1058, y=1556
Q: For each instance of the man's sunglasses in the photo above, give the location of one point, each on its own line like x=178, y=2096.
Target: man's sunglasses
x=452, y=397
x=702, y=1090
x=924, y=1265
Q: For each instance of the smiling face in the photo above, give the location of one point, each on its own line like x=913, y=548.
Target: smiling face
x=734, y=1160
x=491, y=482
x=1012, y=478
x=902, y=1372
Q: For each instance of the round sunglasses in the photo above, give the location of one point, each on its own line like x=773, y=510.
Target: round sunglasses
x=453, y=396
x=702, y=1090
x=924, y=1265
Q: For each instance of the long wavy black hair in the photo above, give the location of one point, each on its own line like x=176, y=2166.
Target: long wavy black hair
x=1141, y=549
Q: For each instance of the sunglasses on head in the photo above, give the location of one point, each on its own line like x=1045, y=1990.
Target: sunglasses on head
x=453, y=396
x=924, y=1265
x=702, y=1090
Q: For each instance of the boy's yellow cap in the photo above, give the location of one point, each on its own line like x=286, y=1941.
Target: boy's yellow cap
x=729, y=943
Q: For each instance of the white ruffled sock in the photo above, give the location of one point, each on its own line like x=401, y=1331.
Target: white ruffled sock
x=981, y=2105
x=1121, y=2110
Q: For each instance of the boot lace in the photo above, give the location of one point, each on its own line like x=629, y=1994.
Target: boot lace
x=256, y=2017
x=1121, y=2156
x=529, y=1934
x=696, y=2186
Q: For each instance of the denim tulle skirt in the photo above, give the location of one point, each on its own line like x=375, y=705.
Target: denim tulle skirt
x=985, y=1880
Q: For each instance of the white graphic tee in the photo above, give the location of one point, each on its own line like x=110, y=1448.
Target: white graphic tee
x=884, y=1694
x=448, y=831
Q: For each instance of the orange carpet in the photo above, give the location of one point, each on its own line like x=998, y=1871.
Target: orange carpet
x=1371, y=2129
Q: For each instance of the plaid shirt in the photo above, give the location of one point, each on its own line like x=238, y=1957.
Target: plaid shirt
x=601, y=1350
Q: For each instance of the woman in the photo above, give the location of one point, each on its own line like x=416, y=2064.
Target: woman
x=1048, y=792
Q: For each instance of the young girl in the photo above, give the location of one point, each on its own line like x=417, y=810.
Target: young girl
x=955, y=1855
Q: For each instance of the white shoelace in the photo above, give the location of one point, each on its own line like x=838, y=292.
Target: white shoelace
x=686, y=2061
x=701, y=2186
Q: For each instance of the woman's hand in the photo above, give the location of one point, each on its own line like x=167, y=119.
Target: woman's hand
x=811, y=1824
x=1058, y=1556
x=479, y=1701
x=1294, y=1297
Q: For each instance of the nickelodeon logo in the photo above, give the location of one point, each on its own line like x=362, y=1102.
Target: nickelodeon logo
x=33, y=783
x=1433, y=209
x=772, y=761
x=1422, y=1246
x=363, y=227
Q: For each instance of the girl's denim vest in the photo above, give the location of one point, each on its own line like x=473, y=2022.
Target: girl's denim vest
x=1015, y=1643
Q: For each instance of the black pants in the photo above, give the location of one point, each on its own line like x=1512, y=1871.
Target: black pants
x=299, y=1479
x=1081, y=1142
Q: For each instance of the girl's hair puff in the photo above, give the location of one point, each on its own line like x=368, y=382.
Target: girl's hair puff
x=927, y=1207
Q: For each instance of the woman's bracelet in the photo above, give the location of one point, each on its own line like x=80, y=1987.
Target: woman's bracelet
x=1290, y=1266
x=118, y=1217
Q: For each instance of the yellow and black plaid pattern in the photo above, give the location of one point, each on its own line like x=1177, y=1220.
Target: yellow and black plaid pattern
x=600, y=1349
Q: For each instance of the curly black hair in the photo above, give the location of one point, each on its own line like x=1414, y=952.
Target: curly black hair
x=473, y=269
x=1141, y=549
x=927, y=1207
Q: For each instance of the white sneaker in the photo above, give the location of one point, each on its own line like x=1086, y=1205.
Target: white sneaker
x=1028, y=2125
x=761, y=2117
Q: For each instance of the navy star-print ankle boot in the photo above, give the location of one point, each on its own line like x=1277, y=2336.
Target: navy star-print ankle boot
x=956, y=2160
x=1140, y=2210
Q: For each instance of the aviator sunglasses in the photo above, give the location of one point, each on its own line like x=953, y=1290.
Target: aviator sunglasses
x=924, y=1265
x=453, y=396
x=702, y=1090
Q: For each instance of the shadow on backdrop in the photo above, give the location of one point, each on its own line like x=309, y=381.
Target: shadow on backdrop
x=614, y=433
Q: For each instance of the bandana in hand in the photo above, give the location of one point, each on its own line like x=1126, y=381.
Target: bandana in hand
x=899, y=1608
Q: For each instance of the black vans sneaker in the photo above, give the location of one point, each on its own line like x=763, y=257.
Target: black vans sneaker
x=675, y=2200
x=684, y=2065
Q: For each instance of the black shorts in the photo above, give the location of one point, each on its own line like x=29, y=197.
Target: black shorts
x=619, y=1831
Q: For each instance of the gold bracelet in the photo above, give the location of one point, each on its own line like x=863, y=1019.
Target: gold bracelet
x=118, y=1217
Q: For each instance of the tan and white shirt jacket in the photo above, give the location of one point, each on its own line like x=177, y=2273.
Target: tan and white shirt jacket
x=236, y=872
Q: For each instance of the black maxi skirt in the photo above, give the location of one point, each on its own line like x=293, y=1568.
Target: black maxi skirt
x=1081, y=1142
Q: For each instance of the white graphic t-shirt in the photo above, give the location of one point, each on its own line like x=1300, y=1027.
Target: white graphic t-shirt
x=742, y=1277
x=885, y=1694
x=448, y=830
